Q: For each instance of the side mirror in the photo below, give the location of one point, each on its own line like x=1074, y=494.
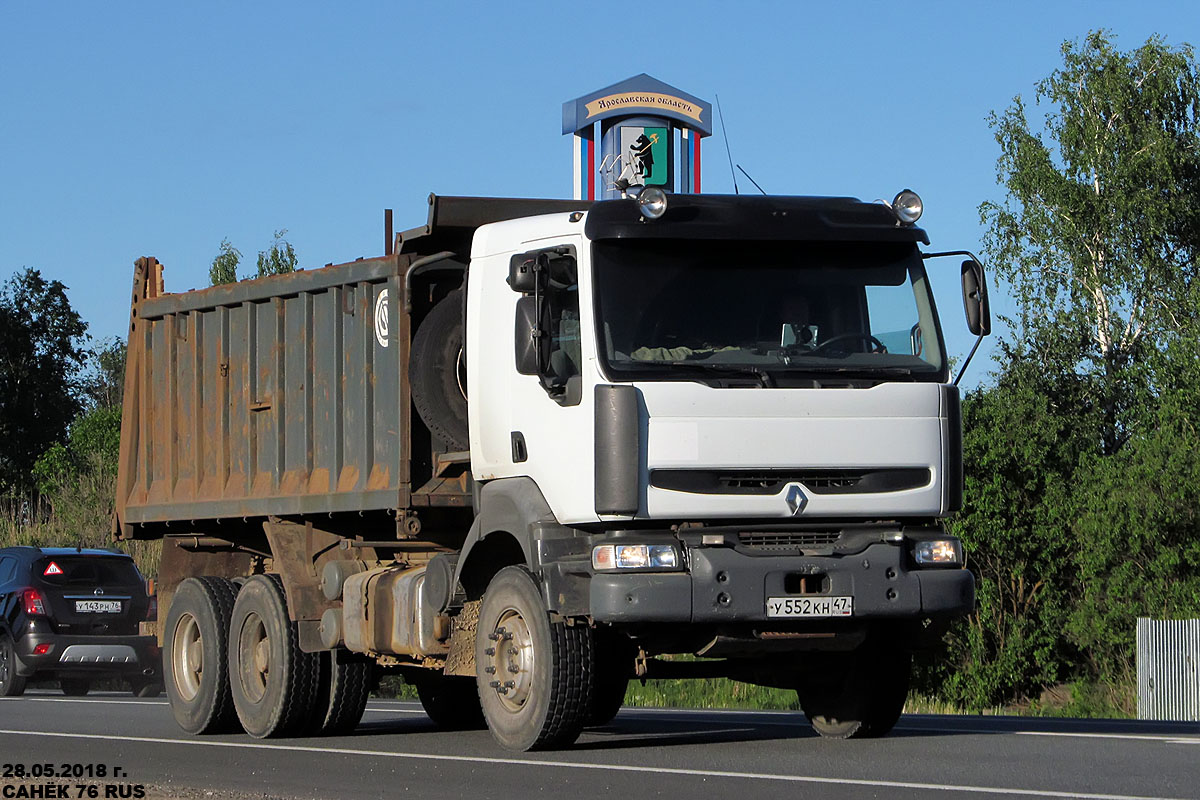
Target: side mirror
x=524, y=274
x=530, y=337
x=975, y=298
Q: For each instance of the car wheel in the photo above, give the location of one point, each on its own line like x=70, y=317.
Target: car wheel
x=451, y=702
x=75, y=687
x=11, y=684
x=342, y=691
x=534, y=676
x=196, y=670
x=274, y=682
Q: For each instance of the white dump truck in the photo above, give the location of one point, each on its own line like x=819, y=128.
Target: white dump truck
x=541, y=448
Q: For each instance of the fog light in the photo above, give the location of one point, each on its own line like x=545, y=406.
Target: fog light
x=652, y=202
x=908, y=206
x=937, y=551
x=41, y=650
x=634, y=556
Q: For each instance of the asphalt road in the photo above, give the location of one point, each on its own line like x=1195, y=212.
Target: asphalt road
x=396, y=752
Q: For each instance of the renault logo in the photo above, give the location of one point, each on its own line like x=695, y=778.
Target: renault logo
x=796, y=498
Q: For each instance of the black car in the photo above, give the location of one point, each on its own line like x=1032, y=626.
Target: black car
x=74, y=615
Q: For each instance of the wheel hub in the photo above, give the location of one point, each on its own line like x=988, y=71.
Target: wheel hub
x=187, y=657
x=511, y=660
x=254, y=657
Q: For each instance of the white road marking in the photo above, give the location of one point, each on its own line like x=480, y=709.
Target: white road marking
x=796, y=718
x=521, y=762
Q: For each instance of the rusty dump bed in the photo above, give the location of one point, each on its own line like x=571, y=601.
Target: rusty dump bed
x=288, y=396
x=281, y=396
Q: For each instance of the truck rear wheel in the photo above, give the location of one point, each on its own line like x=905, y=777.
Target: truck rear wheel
x=196, y=669
x=534, y=676
x=437, y=374
x=342, y=691
x=452, y=703
x=273, y=681
x=859, y=695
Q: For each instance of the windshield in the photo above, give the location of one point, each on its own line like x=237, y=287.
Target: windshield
x=777, y=312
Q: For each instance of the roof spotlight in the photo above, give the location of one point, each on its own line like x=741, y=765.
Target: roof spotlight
x=908, y=206
x=652, y=202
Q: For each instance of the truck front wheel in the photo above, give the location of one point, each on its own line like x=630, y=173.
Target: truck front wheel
x=857, y=695
x=196, y=671
x=534, y=676
x=274, y=682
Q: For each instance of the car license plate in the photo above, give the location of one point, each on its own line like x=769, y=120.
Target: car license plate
x=810, y=606
x=98, y=606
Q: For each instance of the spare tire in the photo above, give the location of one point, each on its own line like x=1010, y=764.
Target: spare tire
x=437, y=372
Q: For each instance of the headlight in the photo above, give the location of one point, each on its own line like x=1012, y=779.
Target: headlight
x=908, y=206
x=938, y=551
x=635, y=556
x=652, y=202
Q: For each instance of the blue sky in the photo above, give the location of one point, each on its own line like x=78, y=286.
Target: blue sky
x=155, y=128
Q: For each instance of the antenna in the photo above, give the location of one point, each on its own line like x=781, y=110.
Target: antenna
x=756, y=186
x=725, y=133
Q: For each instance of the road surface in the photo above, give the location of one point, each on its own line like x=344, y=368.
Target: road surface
x=643, y=753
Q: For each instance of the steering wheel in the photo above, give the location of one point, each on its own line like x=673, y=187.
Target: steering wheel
x=877, y=346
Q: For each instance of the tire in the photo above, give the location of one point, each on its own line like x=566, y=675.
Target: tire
x=863, y=696
x=11, y=684
x=195, y=655
x=75, y=687
x=273, y=681
x=343, y=687
x=452, y=703
x=534, y=676
x=145, y=687
x=436, y=373
x=614, y=654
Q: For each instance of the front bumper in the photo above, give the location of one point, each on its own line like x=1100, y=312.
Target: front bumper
x=725, y=586
x=118, y=655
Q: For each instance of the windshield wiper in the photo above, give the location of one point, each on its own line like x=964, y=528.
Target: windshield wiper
x=765, y=378
x=866, y=372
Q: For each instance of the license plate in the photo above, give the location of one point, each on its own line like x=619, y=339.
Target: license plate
x=98, y=606
x=810, y=606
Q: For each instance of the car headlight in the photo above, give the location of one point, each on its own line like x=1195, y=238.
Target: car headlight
x=635, y=556
x=938, y=552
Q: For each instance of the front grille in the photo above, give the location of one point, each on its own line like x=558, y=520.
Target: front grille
x=788, y=540
x=773, y=481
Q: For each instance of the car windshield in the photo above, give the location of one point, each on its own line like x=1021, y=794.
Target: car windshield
x=681, y=309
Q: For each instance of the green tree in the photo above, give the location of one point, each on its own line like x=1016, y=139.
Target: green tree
x=41, y=352
x=224, y=265
x=1082, y=473
x=1097, y=232
x=279, y=258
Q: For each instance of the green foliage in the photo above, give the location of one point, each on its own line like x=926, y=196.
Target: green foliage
x=224, y=265
x=1083, y=460
x=41, y=352
x=278, y=259
x=104, y=380
x=94, y=438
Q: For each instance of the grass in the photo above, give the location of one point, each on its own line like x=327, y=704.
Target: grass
x=77, y=514
x=80, y=514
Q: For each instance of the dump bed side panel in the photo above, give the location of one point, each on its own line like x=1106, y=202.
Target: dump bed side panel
x=282, y=396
